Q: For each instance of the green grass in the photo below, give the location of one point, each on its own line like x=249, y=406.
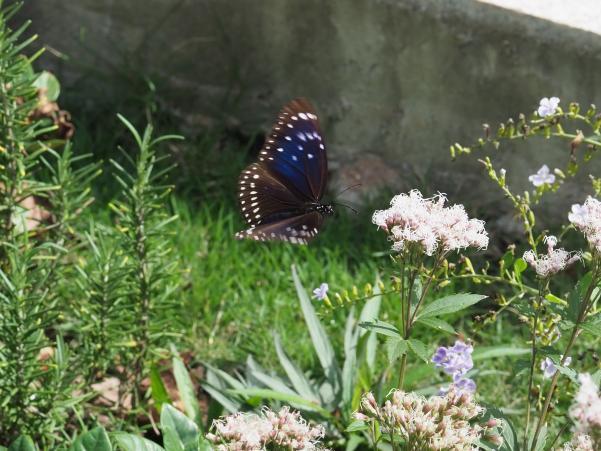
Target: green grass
x=240, y=292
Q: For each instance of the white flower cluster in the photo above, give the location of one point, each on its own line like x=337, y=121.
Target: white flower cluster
x=580, y=442
x=446, y=422
x=249, y=431
x=555, y=261
x=427, y=222
x=587, y=219
x=586, y=410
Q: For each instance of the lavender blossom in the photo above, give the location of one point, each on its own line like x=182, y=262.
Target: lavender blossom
x=549, y=368
x=464, y=385
x=587, y=219
x=321, y=292
x=412, y=219
x=455, y=360
x=555, y=261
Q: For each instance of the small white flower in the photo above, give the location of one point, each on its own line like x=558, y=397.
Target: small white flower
x=578, y=214
x=542, y=177
x=426, y=222
x=502, y=173
x=321, y=292
x=587, y=219
x=548, y=107
x=549, y=368
x=554, y=261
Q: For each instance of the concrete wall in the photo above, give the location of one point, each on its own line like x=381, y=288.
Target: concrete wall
x=395, y=81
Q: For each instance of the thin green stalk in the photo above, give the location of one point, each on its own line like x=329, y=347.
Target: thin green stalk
x=573, y=336
x=532, y=362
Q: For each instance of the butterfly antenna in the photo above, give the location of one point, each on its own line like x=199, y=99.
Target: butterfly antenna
x=346, y=206
x=348, y=188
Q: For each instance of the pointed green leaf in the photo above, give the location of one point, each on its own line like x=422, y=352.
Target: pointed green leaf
x=95, y=440
x=323, y=347
x=157, y=388
x=395, y=348
x=179, y=432
x=131, y=442
x=437, y=324
x=450, y=304
x=22, y=443
x=285, y=397
x=186, y=390
x=298, y=379
x=419, y=349
x=357, y=425
x=370, y=312
x=381, y=327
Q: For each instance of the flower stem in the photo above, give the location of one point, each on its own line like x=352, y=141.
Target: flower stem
x=586, y=304
x=402, y=371
x=532, y=362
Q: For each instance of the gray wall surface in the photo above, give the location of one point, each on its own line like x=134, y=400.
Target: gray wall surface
x=395, y=81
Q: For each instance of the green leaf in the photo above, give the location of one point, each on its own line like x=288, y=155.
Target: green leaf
x=130, y=442
x=437, y=324
x=349, y=371
x=95, y=440
x=541, y=440
x=416, y=293
x=381, y=327
x=297, y=378
x=22, y=443
x=278, y=396
x=592, y=326
x=419, y=349
x=395, y=348
x=519, y=266
x=157, y=388
x=186, y=390
x=491, y=352
x=357, y=425
x=179, y=432
x=450, y=304
x=321, y=343
x=50, y=84
x=370, y=312
x=576, y=296
x=510, y=437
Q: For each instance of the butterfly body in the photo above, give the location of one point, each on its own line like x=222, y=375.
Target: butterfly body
x=280, y=195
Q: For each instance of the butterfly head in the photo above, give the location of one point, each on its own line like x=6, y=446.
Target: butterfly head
x=325, y=209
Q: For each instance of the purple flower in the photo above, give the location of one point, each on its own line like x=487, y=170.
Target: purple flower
x=455, y=360
x=464, y=384
x=549, y=368
x=321, y=292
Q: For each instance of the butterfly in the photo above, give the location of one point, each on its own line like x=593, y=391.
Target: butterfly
x=280, y=195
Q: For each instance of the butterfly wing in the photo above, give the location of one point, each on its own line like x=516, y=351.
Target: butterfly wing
x=295, y=152
x=297, y=229
x=263, y=198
